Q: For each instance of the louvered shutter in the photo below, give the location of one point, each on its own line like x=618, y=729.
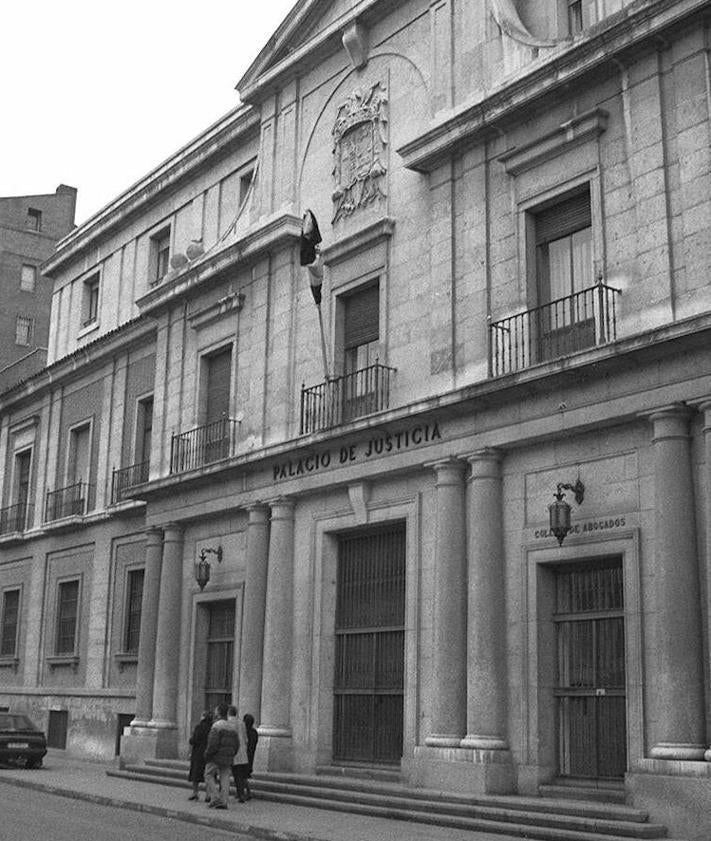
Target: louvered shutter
x=362, y=314
x=219, y=368
x=565, y=218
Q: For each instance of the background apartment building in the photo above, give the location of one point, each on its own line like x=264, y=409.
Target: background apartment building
x=30, y=227
x=515, y=215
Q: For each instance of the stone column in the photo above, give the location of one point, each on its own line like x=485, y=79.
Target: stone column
x=255, y=594
x=676, y=670
x=149, y=624
x=165, y=686
x=449, y=654
x=705, y=407
x=486, y=642
x=278, y=623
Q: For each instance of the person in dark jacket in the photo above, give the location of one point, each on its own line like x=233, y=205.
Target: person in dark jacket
x=252, y=739
x=198, y=743
x=222, y=745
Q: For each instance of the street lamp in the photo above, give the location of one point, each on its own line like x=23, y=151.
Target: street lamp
x=559, y=511
x=202, y=567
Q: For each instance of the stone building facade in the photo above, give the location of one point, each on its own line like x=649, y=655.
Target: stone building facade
x=30, y=227
x=514, y=204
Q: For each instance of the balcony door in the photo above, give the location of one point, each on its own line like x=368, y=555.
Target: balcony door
x=564, y=268
x=361, y=346
x=218, y=380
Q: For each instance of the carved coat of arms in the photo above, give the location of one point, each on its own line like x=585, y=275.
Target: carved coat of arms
x=359, y=141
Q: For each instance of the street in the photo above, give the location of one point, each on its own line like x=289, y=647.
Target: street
x=29, y=815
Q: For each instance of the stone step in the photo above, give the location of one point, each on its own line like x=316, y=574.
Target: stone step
x=501, y=815
x=179, y=769
x=582, y=792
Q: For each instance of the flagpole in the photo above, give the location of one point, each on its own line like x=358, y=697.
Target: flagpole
x=323, y=342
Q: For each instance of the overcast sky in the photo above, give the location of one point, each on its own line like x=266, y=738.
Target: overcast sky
x=95, y=95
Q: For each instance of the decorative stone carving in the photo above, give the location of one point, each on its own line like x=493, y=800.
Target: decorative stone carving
x=359, y=141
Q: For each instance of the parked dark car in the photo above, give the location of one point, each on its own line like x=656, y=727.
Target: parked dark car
x=21, y=741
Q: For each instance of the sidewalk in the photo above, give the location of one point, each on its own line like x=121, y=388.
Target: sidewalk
x=261, y=819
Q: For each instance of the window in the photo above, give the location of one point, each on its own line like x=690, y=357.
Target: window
x=33, y=220
x=23, y=464
x=361, y=329
x=218, y=376
x=579, y=15
x=24, y=330
x=28, y=278
x=79, y=454
x=564, y=276
x=361, y=348
x=10, y=623
x=144, y=430
x=90, y=300
x=67, y=615
x=132, y=621
x=160, y=256
x=564, y=248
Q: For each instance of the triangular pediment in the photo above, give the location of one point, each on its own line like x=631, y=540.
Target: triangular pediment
x=305, y=22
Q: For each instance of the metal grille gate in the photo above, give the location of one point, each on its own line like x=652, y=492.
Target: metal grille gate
x=219, y=653
x=370, y=643
x=591, y=672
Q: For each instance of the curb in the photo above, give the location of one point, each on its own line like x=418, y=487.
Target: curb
x=257, y=832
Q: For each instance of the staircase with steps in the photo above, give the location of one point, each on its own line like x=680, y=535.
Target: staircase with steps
x=546, y=818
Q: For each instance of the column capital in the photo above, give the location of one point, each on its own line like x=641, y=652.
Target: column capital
x=172, y=532
x=154, y=534
x=448, y=471
x=258, y=513
x=485, y=463
x=670, y=421
x=282, y=508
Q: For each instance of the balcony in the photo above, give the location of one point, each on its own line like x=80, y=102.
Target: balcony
x=16, y=517
x=72, y=501
x=125, y=478
x=342, y=399
x=203, y=445
x=577, y=322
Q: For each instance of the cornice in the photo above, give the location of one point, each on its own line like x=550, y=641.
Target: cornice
x=352, y=244
x=156, y=183
x=278, y=230
x=624, y=33
x=262, y=79
x=486, y=394
x=131, y=335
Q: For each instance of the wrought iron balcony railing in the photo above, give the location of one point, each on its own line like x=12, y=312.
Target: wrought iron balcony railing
x=342, y=399
x=16, y=517
x=583, y=320
x=67, y=502
x=124, y=478
x=203, y=445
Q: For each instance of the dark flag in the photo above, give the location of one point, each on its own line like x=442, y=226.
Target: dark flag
x=309, y=239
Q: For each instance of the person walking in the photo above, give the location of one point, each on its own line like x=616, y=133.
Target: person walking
x=240, y=767
x=222, y=745
x=252, y=739
x=198, y=743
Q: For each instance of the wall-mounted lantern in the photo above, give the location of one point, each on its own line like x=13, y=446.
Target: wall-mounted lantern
x=559, y=511
x=202, y=567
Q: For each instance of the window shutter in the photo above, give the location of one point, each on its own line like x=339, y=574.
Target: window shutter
x=362, y=314
x=570, y=215
x=219, y=368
